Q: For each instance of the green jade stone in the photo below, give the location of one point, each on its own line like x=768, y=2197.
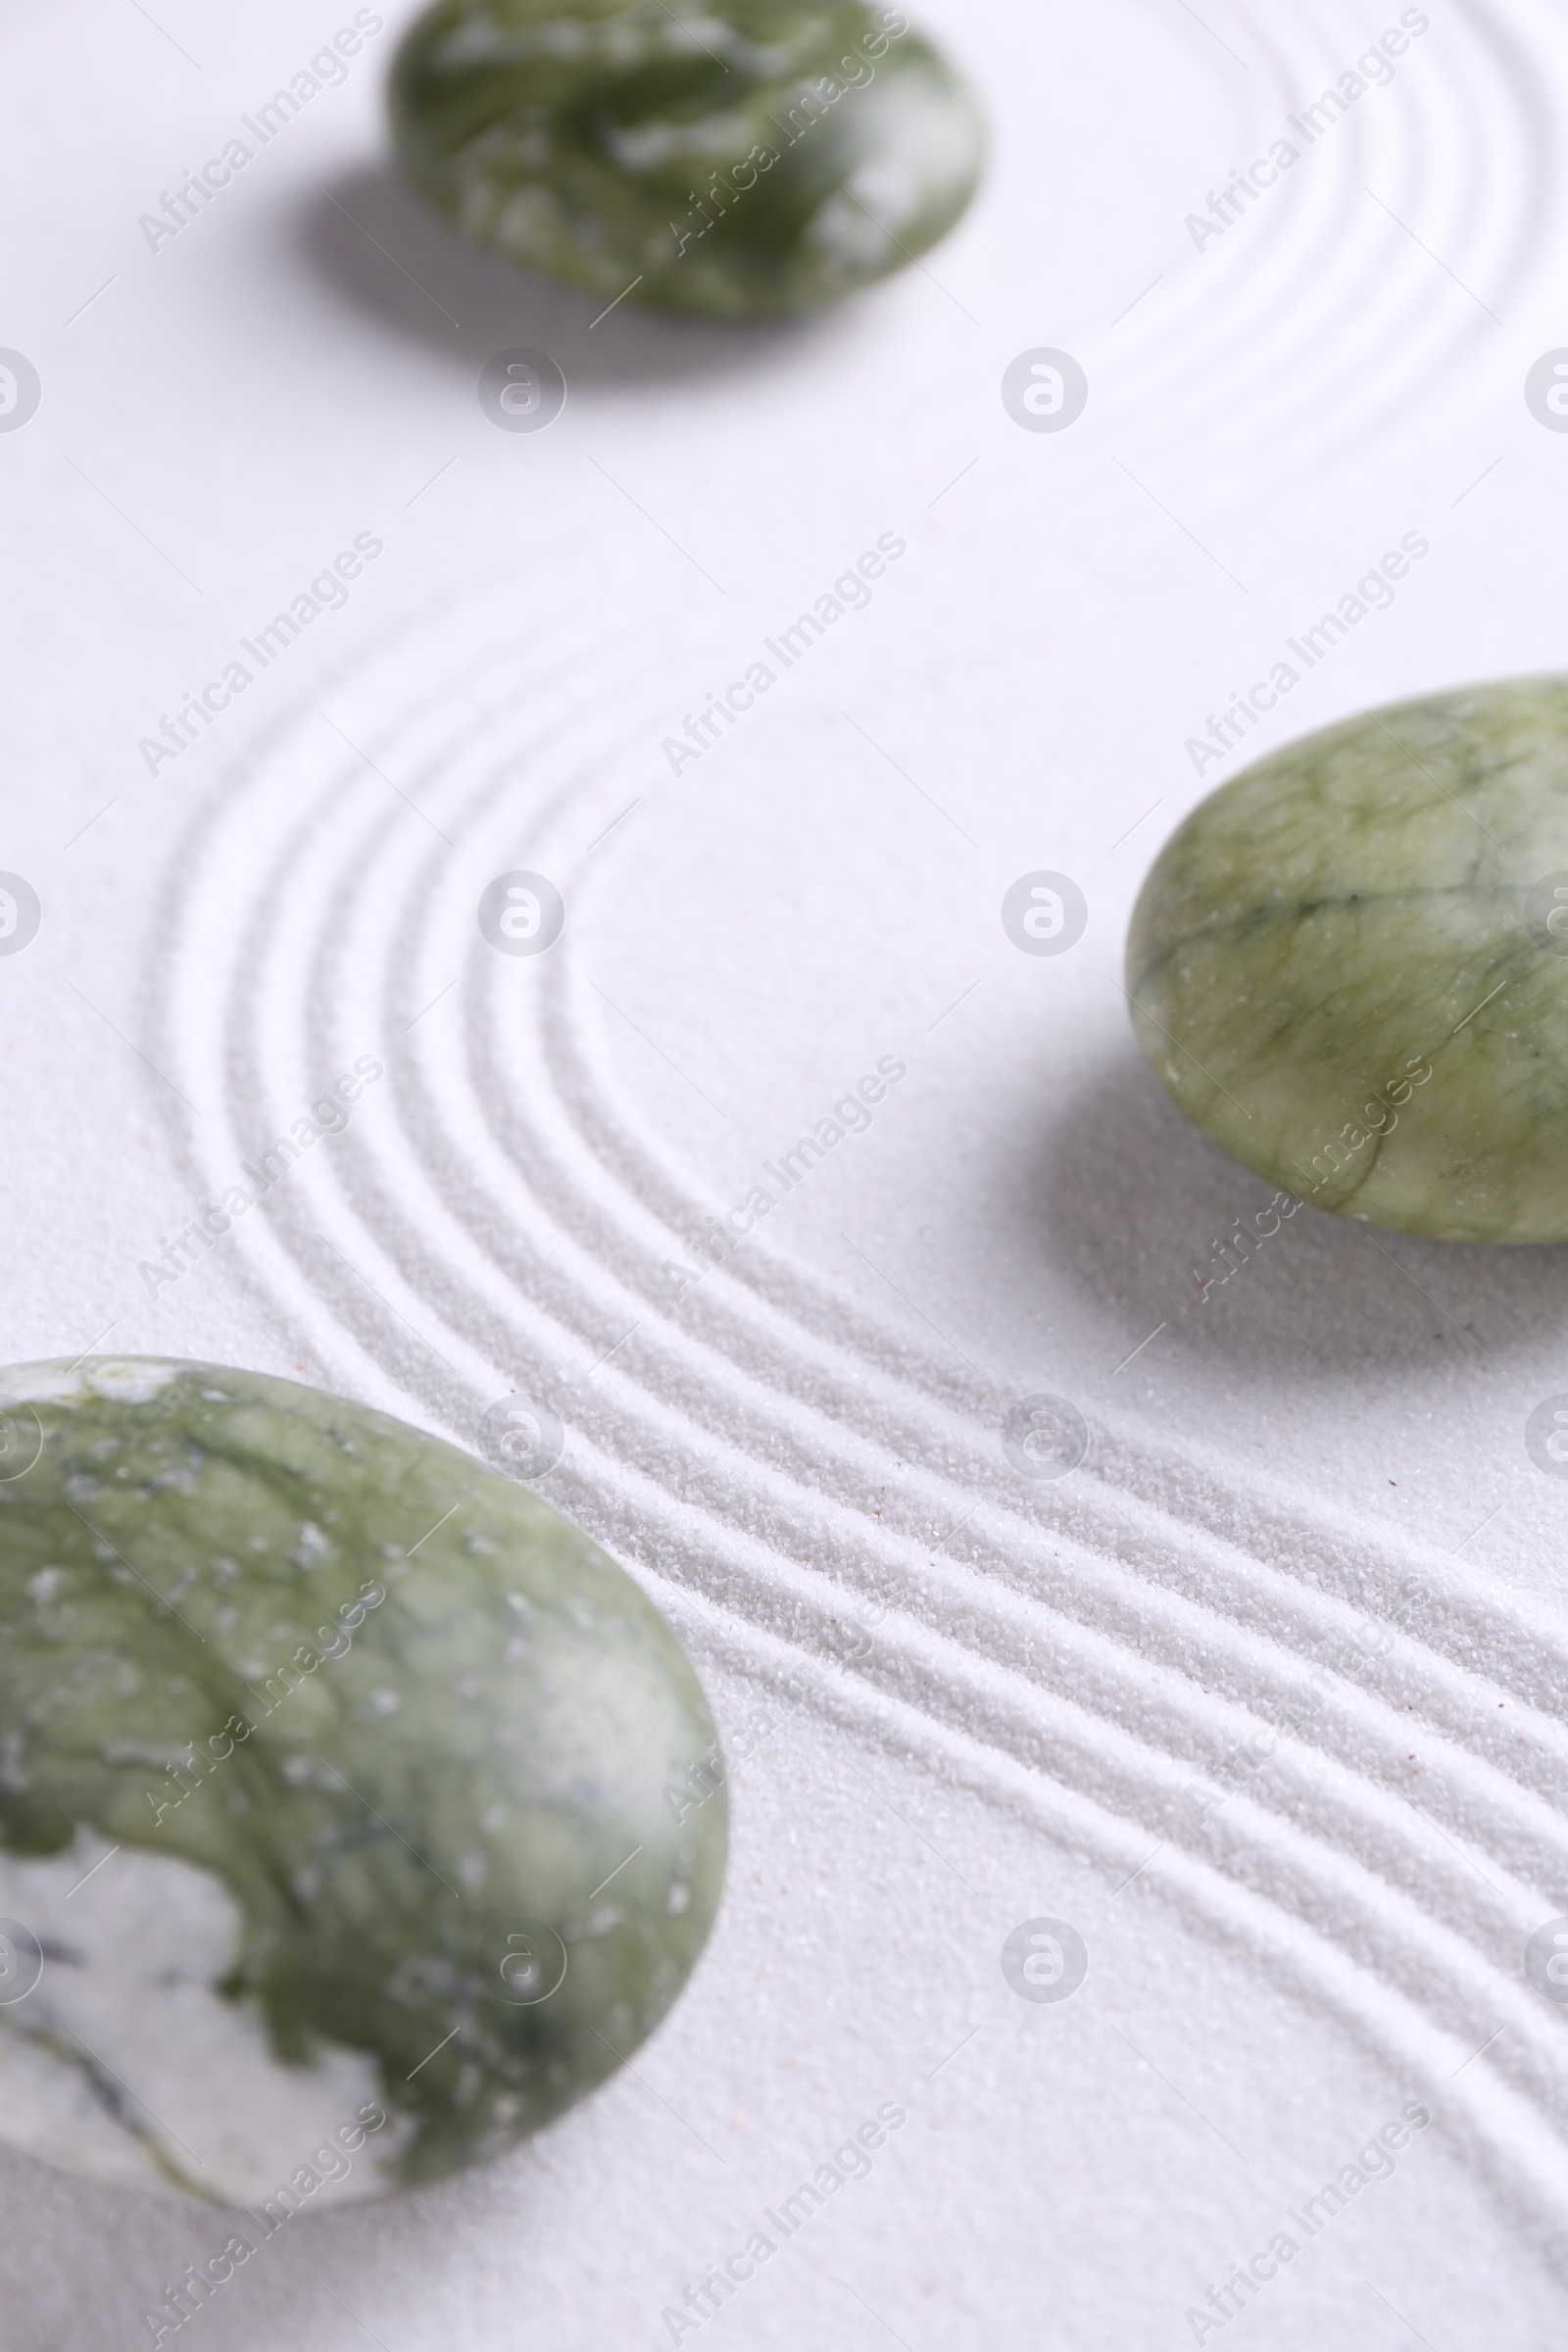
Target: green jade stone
x=737, y=158
x=401, y=1806
x=1349, y=965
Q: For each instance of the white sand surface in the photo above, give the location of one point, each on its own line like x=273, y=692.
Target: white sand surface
x=1265, y=1699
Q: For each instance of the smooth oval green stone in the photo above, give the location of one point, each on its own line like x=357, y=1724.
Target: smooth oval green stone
x=396, y=1794
x=1349, y=965
x=733, y=157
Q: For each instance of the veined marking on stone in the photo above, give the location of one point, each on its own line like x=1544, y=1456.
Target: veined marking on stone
x=1443, y=789
x=1181, y=1049
x=386, y=1824
x=137, y=1573
x=615, y=1873
x=1481, y=1007
x=139, y=1974
x=86, y=1875
x=133, y=2095
x=435, y=2053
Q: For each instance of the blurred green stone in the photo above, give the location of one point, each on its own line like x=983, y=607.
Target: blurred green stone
x=1349, y=965
x=731, y=157
x=451, y=1766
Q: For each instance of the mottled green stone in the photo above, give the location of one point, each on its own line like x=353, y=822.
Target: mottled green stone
x=397, y=1706
x=1349, y=965
x=733, y=157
